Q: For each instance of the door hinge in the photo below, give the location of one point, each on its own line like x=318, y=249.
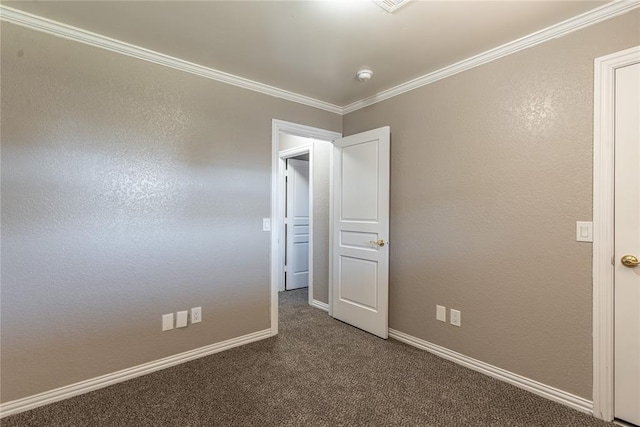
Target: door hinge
x=284, y=269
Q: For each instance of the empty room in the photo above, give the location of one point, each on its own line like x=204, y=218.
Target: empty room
x=320, y=213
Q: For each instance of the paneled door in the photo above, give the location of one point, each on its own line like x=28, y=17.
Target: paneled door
x=297, y=225
x=627, y=244
x=360, y=258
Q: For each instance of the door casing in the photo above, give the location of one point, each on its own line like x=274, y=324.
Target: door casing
x=277, y=203
x=603, y=226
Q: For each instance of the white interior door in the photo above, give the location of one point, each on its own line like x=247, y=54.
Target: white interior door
x=297, y=225
x=627, y=244
x=360, y=252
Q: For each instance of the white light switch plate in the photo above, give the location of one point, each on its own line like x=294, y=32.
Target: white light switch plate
x=441, y=313
x=181, y=319
x=167, y=321
x=266, y=224
x=584, y=231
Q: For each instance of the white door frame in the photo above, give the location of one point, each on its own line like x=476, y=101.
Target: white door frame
x=277, y=204
x=603, y=205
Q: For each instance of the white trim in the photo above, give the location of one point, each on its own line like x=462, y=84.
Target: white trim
x=331, y=226
x=594, y=16
x=278, y=126
x=319, y=304
x=41, y=399
x=296, y=151
x=59, y=29
x=305, y=131
x=603, y=226
x=579, y=22
x=551, y=393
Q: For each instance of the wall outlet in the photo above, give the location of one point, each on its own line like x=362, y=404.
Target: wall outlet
x=167, y=321
x=266, y=224
x=441, y=313
x=181, y=319
x=456, y=318
x=196, y=315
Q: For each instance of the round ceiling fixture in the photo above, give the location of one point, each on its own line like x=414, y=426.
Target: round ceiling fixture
x=364, y=74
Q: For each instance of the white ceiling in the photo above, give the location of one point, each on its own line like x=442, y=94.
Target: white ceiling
x=314, y=48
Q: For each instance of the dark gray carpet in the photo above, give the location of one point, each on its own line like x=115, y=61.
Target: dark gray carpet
x=316, y=372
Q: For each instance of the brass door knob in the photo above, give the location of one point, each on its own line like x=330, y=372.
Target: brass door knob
x=630, y=261
x=379, y=242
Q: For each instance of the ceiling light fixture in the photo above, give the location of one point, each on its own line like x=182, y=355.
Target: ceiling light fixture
x=364, y=74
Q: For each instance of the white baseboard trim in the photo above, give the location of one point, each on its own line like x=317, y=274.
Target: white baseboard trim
x=551, y=393
x=41, y=399
x=319, y=304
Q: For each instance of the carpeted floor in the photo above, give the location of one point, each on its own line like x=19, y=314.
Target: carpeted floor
x=316, y=372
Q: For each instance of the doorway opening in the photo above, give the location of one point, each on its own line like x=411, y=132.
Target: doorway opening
x=292, y=141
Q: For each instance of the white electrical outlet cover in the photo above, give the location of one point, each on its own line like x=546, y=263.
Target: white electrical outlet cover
x=456, y=318
x=167, y=321
x=196, y=315
x=181, y=320
x=441, y=313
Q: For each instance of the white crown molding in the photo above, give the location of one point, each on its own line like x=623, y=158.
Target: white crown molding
x=584, y=20
x=602, y=13
x=551, y=393
x=58, y=29
x=41, y=399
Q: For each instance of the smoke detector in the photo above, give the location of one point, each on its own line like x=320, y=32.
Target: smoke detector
x=391, y=5
x=364, y=74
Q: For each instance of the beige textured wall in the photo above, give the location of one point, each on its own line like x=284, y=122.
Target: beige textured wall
x=490, y=170
x=321, y=182
x=129, y=190
x=322, y=151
